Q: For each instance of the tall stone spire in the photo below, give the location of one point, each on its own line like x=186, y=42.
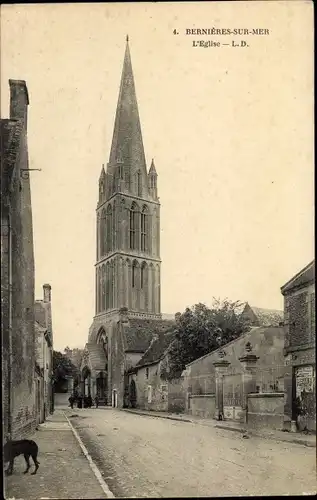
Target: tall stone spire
x=127, y=144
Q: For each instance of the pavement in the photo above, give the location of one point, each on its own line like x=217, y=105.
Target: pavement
x=64, y=470
x=141, y=456
x=296, y=438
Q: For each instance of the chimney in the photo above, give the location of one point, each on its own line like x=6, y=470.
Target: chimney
x=19, y=100
x=47, y=292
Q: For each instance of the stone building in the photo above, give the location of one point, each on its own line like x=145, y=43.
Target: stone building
x=128, y=265
x=149, y=388
x=44, y=352
x=17, y=269
x=300, y=349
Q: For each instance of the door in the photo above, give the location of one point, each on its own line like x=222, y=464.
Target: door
x=232, y=396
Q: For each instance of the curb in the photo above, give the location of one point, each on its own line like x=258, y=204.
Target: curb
x=226, y=428
x=93, y=466
x=167, y=417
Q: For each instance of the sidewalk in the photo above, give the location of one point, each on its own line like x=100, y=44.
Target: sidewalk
x=297, y=438
x=64, y=470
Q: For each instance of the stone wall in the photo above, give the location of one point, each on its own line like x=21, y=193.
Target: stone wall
x=176, y=396
x=268, y=344
x=23, y=334
x=202, y=405
x=266, y=410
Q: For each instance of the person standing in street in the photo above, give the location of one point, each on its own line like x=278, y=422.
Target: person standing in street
x=96, y=400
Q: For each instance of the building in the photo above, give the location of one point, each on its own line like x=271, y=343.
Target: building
x=149, y=387
x=257, y=316
x=128, y=265
x=300, y=349
x=44, y=353
x=17, y=270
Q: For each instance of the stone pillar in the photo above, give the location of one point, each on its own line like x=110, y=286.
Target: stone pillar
x=221, y=368
x=248, y=362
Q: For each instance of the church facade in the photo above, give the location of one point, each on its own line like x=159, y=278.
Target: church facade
x=128, y=264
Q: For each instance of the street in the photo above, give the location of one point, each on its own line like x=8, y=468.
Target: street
x=141, y=456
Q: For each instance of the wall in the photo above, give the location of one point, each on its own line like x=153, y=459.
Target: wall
x=176, y=396
x=268, y=344
x=23, y=335
x=202, y=405
x=266, y=410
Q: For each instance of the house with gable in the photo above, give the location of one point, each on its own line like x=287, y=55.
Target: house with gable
x=148, y=387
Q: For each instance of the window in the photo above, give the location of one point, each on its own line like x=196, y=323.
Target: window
x=132, y=227
x=149, y=394
x=120, y=169
x=142, y=275
x=139, y=183
x=147, y=372
x=109, y=229
x=133, y=274
x=143, y=230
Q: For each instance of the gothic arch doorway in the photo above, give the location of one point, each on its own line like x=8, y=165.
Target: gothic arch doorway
x=102, y=386
x=86, y=381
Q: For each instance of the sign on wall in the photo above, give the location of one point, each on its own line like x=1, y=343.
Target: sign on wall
x=304, y=379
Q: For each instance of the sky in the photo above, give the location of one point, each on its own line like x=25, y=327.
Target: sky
x=230, y=129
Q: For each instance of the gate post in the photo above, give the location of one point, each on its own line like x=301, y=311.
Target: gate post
x=221, y=368
x=248, y=362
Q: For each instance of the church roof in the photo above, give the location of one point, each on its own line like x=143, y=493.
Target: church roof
x=139, y=332
x=157, y=349
x=127, y=143
x=97, y=356
x=304, y=276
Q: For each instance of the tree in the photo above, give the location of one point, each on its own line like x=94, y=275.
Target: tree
x=75, y=355
x=62, y=366
x=200, y=330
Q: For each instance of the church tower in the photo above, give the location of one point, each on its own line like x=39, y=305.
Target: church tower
x=128, y=217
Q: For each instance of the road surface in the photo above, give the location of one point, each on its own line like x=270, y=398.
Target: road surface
x=141, y=456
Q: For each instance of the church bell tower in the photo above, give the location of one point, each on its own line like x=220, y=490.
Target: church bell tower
x=128, y=264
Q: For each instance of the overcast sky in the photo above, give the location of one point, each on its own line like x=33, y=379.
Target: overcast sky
x=230, y=129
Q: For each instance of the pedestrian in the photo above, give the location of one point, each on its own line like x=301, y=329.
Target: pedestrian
x=89, y=401
x=96, y=400
x=71, y=401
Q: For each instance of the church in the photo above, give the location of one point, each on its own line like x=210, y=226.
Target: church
x=128, y=267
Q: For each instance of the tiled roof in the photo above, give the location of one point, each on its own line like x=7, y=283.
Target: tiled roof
x=268, y=317
x=157, y=348
x=139, y=332
x=259, y=316
x=97, y=356
x=306, y=275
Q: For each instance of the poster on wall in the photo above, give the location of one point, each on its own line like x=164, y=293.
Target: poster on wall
x=304, y=380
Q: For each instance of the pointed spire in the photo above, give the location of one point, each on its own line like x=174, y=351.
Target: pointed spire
x=127, y=143
x=102, y=173
x=152, y=167
x=127, y=39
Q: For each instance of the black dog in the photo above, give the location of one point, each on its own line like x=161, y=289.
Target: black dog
x=24, y=447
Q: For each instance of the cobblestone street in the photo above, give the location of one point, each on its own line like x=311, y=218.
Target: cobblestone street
x=141, y=456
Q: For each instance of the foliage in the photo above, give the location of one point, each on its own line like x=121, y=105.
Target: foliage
x=200, y=330
x=62, y=366
x=75, y=355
